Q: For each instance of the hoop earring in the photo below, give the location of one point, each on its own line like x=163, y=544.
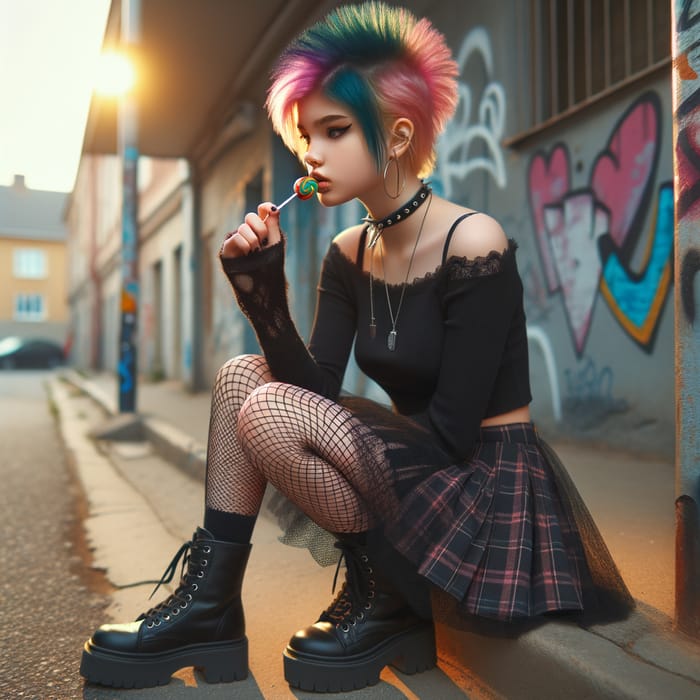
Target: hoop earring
x=400, y=178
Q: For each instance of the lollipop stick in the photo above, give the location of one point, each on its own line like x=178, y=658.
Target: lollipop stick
x=304, y=188
x=287, y=201
x=279, y=206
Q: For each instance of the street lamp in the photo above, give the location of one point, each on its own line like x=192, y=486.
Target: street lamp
x=117, y=77
x=116, y=74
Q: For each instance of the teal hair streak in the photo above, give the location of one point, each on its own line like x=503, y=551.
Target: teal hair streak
x=351, y=89
x=359, y=35
x=351, y=39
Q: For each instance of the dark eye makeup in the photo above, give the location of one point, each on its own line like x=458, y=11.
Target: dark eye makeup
x=335, y=132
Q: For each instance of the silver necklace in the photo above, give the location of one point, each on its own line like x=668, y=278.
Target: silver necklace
x=391, y=338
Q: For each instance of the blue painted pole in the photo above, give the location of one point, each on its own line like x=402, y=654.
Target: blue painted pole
x=128, y=144
x=686, y=115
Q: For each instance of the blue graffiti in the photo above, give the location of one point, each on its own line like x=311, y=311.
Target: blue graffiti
x=638, y=296
x=126, y=377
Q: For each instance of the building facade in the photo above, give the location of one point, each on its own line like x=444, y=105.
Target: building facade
x=33, y=263
x=93, y=216
x=563, y=132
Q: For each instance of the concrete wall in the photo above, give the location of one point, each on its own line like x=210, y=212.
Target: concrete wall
x=587, y=198
x=596, y=262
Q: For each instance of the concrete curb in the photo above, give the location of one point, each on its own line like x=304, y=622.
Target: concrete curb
x=172, y=444
x=564, y=656
x=113, y=505
x=639, y=659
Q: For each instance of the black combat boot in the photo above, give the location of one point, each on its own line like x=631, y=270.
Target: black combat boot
x=367, y=627
x=201, y=624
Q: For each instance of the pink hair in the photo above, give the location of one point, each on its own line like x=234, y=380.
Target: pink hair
x=404, y=63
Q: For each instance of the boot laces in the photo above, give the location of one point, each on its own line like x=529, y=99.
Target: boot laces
x=182, y=596
x=355, y=595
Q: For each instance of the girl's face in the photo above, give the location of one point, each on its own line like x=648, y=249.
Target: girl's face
x=336, y=153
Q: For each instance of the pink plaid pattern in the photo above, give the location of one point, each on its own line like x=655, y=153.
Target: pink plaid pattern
x=492, y=532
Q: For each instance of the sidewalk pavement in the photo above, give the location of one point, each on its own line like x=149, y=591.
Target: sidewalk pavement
x=630, y=496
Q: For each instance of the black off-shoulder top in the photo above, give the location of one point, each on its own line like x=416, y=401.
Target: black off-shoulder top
x=461, y=353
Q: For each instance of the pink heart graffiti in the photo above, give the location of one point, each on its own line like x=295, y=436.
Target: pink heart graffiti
x=566, y=233
x=620, y=175
x=549, y=182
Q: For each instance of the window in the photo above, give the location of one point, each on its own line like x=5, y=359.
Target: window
x=29, y=263
x=29, y=307
x=583, y=48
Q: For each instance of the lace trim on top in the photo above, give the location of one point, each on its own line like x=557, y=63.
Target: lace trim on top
x=454, y=268
x=482, y=266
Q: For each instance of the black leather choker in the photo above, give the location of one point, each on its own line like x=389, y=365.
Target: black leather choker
x=377, y=226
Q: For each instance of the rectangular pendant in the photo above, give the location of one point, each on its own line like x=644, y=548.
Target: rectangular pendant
x=372, y=330
x=391, y=340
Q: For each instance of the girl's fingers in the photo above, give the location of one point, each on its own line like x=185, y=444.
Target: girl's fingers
x=269, y=214
x=258, y=230
x=239, y=243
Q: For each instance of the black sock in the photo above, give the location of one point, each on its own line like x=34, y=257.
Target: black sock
x=229, y=527
x=358, y=539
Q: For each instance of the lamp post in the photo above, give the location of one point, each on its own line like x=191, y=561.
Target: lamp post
x=128, y=147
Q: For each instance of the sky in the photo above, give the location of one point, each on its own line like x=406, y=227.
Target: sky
x=48, y=56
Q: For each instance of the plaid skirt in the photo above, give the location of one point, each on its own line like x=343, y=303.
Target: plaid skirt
x=505, y=533
x=492, y=532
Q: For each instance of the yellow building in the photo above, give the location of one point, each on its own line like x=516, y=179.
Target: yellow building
x=32, y=263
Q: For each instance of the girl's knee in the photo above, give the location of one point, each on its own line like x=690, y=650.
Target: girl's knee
x=261, y=401
x=241, y=366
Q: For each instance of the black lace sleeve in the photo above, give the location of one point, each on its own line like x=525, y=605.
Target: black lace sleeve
x=260, y=287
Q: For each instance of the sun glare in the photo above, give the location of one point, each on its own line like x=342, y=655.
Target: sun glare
x=115, y=75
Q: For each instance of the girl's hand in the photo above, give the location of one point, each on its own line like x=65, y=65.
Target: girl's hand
x=255, y=233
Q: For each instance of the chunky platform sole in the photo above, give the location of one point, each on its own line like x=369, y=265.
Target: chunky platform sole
x=410, y=652
x=220, y=662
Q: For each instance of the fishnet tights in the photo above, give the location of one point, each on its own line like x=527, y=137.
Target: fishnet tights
x=305, y=445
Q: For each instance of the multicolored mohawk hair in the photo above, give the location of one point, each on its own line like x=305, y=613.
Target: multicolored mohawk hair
x=379, y=61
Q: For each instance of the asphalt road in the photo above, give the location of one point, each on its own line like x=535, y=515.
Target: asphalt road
x=48, y=598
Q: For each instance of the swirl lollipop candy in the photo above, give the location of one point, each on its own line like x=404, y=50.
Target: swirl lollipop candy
x=304, y=188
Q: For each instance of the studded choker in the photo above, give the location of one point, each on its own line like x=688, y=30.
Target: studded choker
x=376, y=226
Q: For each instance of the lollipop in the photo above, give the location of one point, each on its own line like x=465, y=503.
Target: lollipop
x=304, y=188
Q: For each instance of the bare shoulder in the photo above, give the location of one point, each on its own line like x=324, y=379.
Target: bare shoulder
x=476, y=236
x=348, y=240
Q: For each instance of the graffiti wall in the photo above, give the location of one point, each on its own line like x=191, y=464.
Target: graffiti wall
x=590, y=202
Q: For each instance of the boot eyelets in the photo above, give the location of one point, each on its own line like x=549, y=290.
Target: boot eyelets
x=206, y=549
x=370, y=594
x=203, y=562
x=361, y=615
x=368, y=606
x=157, y=623
x=188, y=597
x=175, y=611
x=149, y=625
x=345, y=627
x=200, y=574
x=183, y=606
x=166, y=617
x=195, y=587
